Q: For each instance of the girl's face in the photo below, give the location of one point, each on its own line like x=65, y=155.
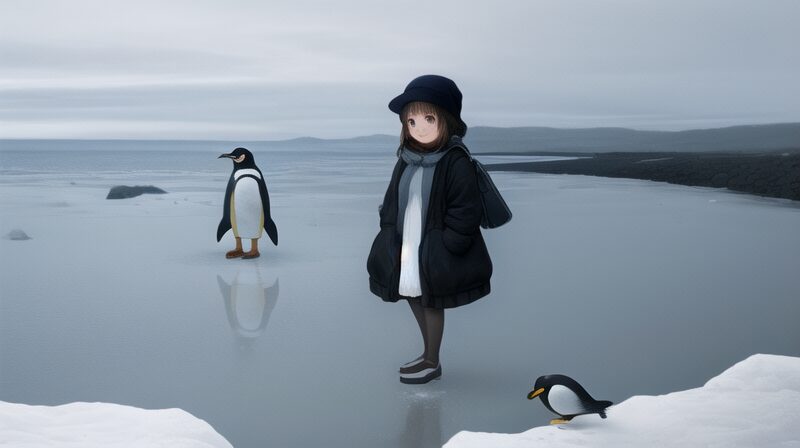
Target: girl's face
x=423, y=127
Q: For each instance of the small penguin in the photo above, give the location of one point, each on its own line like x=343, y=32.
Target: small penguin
x=246, y=209
x=564, y=396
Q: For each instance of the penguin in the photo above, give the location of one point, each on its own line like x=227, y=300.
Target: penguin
x=564, y=396
x=246, y=208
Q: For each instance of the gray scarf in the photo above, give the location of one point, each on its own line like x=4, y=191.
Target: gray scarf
x=417, y=160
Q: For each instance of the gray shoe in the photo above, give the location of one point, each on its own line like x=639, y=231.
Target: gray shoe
x=411, y=364
x=423, y=376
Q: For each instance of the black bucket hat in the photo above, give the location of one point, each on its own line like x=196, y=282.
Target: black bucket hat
x=434, y=89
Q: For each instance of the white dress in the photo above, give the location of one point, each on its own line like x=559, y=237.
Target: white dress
x=412, y=235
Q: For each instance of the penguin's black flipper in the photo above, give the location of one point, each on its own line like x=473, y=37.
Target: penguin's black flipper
x=601, y=407
x=271, y=229
x=225, y=222
x=269, y=224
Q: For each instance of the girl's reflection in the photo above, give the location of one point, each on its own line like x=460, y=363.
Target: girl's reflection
x=423, y=421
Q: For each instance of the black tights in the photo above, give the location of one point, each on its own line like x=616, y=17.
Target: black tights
x=431, y=325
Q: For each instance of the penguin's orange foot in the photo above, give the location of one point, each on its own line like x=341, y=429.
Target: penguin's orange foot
x=251, y=254
x=558, y=421
x=236, y=253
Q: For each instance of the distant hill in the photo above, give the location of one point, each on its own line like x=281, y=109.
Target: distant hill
x=483, y=139
x=767, y=137
x=372, y=143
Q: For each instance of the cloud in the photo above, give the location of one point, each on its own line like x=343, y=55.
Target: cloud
x=328, y=68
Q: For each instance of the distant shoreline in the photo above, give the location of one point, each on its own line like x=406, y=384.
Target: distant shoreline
x=486, y=139
x=769, y=173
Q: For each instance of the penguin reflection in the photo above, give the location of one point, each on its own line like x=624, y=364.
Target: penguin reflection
x=248, y=302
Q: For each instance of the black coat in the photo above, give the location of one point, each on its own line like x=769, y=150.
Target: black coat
x=455, y=267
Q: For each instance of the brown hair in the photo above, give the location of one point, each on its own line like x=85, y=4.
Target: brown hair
x=445, y=122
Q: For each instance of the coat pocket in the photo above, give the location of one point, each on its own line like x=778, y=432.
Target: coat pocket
x=383, y=256
x=448, y=273
x=456, y=242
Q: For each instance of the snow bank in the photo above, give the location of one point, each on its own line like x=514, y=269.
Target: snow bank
x=754, y=403
x=103, y=425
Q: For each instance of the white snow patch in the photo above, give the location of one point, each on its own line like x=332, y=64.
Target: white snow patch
x=754, y=403
x=89, y=425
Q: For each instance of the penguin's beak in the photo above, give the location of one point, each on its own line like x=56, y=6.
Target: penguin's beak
x=223, y=156
x=535, y=393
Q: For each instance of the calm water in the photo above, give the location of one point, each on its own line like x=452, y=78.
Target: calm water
x=631, y=287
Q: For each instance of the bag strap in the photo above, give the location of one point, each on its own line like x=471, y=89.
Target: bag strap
x=458, y=143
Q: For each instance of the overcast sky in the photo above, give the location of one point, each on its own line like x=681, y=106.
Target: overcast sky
x=271, y=70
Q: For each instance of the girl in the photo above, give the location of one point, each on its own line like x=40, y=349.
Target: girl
x=429, y=250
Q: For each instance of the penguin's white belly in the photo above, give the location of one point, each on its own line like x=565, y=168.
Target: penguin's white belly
x=247, y=216
x=564, y=401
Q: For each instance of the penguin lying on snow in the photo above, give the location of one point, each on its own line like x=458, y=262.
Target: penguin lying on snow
x=246, y=209
x=564, y=396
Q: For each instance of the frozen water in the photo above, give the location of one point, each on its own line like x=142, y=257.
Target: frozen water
x=631, y=287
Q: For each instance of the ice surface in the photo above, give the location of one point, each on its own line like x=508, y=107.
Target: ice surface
x=103, y=425
x=754, y=403
x=632, y=287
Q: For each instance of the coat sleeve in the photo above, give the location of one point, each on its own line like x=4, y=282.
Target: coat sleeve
x=387, y=218
x=463, y=211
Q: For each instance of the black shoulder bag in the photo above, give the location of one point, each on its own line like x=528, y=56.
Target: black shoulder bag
x=495, y=210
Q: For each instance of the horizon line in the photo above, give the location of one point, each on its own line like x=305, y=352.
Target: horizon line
x=395, y=136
